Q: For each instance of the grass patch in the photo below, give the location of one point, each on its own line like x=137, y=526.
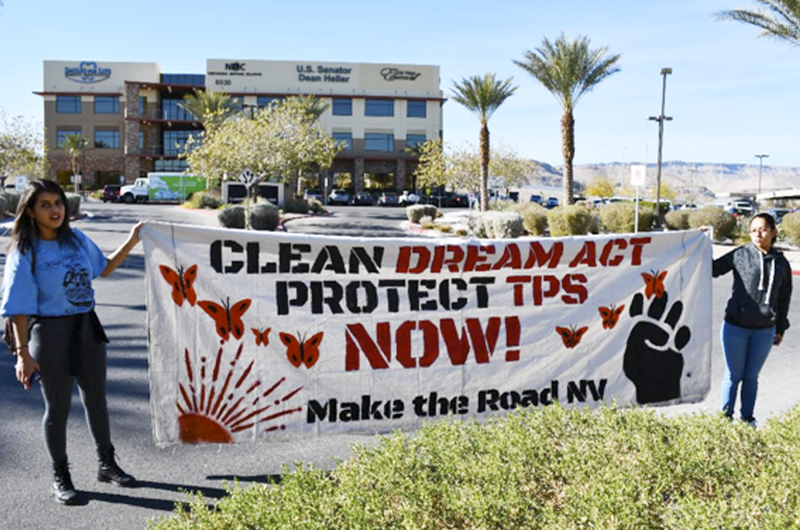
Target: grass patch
x=538, y=468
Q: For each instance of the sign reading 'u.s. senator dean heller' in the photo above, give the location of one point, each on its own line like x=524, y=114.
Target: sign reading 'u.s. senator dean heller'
x=87, y=72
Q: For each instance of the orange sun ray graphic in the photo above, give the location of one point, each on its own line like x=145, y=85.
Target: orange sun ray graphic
x=212, y=410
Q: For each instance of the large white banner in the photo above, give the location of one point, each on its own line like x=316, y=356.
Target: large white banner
x=266, y=336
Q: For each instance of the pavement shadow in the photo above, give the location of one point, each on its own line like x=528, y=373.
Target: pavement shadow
x=131, y=499
x=255, y=479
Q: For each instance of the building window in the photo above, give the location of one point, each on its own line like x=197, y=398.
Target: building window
x=416, y=109
x=183, y=79
x=106, y=139
x=344, y=137
x=342, y=106
x=106, y=105
x=61, y=136
x=141, y=140
x=142, y=105
x=175, y=141
x=379, y=107
x=170, y=164
x=414, y=140
x=68, y=104
x=378, y=142
x=263, y=101
x=172, y=109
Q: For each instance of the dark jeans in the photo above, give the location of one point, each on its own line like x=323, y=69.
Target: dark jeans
x=50, y=340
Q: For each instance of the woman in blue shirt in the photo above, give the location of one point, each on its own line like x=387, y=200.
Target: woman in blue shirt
x=47, y=292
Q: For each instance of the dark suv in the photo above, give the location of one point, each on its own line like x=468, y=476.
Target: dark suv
x=110, y=193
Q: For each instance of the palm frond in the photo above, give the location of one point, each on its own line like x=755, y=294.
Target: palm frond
x=779, y=19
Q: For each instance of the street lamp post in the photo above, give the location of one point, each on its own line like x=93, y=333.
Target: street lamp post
x=760, y=167
x=660, y=119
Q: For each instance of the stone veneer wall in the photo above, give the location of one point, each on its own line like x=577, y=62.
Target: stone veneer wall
x=132, y=152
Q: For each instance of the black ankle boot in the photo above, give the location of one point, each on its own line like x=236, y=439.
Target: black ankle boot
x=109, y=471
x=62, y=484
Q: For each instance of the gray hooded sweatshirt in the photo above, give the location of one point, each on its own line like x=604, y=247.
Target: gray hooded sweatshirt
x=762, y=287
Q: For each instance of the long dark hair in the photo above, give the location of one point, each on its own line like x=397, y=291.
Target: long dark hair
x=24, y=234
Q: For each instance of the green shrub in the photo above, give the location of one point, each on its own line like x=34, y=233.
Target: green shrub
x=534, y=217
x=265, y=216
x=497, y=225
x=572, y=220
x=418, y=211
x=790, y=226
x=537, y=468
x=723, y=223
x=204, y=200
x=296, y=205
x=12, y=198
x=316, y=207
x=73, y=204
x=620, y=217
x=678, y=219
x=232, y=216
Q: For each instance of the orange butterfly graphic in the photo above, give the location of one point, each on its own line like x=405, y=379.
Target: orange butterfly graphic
x=301, y=351
x=654, y=284
x=610, y=315
x=181, y=282
x=262, y=336
x=571, y=336
x=227, y=318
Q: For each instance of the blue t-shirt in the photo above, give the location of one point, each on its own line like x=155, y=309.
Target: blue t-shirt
x=61, y=284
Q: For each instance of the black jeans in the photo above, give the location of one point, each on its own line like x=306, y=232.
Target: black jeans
x=50, y=340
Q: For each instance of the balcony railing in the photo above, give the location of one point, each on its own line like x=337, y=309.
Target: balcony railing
x=162, y=117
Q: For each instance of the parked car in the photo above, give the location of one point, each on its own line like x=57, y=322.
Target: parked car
x=110, y=193
x=536, y=198
x=387, y=198
x=339, y=197
x=312, y=194
x=778, y=213
x=552, y=202
x=456, y=200
x=362, y=199
x=408, y=198
x=743, y=208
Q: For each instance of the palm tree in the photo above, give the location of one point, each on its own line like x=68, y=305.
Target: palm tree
x=74, y=144
x=780, y=20
x=313, y=106
x=211, y=108
x=568, y=70
x=482, y=95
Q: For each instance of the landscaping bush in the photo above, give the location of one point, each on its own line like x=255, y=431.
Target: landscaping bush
x=12, y=198
x=203, y=200
x=572, y=220
x=418, y=211
x=723, y=223
x=537, y=468
x=265, y=216
x=534, y=217
x=497, y=225
x=3, y=206
x=790, y=226
x=296, y=205
x=73, y=204
x=316, y=207
x=620, y=217
x=232, y=216
x=678, y=219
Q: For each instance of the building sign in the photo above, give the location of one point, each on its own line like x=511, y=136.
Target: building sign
x=87, y=72
x=307, y=73
x=395, y=74
x=271, y=336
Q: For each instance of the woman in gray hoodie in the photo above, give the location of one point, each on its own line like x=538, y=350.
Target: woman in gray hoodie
x=756, y=315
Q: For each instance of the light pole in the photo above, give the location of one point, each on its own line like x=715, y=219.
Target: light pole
x=660, y=119
x=760, y=167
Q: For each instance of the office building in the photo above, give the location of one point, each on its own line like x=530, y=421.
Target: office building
x=133, y=119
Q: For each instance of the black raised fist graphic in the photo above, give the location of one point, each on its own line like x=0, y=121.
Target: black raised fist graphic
x=653, y=361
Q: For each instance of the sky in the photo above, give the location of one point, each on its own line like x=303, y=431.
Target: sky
x=731, y=95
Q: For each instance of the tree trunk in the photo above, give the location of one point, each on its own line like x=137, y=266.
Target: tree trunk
x=568, y=150
x=484, y=166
